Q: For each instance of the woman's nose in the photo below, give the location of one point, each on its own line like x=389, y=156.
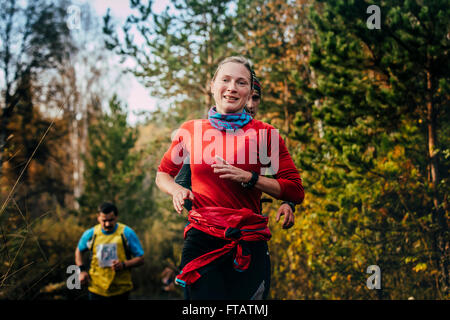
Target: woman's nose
x=232, y=86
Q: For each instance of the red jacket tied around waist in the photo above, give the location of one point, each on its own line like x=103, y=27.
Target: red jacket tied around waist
x=229, y=224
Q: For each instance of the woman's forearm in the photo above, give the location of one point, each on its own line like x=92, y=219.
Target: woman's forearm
x=166, y=183
x=269, y=186
x=179, y=194
x=228, y=171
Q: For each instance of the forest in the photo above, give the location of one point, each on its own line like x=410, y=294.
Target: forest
x=360, y=97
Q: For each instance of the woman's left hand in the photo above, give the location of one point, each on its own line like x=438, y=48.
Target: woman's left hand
x=227, y=171
x=286, y=211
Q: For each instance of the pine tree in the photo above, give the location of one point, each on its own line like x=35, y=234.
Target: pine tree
x=380, y=159
x=113, y=168
x=34, y=39
x=277, y=38
x=180, y=50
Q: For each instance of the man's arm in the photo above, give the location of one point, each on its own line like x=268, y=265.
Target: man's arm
x=121, y=265
x=78, y=257
x=84, y=276
x=136, y=250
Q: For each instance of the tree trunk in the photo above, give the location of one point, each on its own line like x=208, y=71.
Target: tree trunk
x=287, y=123
x=75, y=158
x=208, y=100
x=3, y=134
x=10, y=103
x=439, y=238
x=4, y=117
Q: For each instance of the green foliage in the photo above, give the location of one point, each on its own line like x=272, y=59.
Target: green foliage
x=364, y=114
x=120, y=167
x=34, y=39
x=114, y=169
x=162, y=241
x=36, y=253
x=352, y=107
x=366, y=164
x=276, y=38
x=180, y=50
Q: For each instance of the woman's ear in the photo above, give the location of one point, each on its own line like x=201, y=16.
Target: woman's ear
x=211, y=84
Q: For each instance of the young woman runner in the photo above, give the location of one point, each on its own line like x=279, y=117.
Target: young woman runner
x=183, y=177
x=225, y=253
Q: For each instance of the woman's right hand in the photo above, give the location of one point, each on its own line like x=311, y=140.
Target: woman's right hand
x=179, y=196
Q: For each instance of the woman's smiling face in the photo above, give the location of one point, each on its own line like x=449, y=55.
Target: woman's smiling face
x=231, y=88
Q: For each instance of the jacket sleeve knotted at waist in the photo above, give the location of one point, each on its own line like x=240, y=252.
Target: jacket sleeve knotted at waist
x=256, y=229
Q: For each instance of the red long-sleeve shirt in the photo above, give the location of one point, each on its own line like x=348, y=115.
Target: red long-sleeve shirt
x=250, y=148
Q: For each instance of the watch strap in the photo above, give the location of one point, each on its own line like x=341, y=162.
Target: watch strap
x=252, y=182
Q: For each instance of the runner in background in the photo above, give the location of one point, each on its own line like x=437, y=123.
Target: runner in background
x=115, y=249
x=287, y=208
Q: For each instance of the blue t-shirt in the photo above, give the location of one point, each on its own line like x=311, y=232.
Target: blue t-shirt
x=133, y=241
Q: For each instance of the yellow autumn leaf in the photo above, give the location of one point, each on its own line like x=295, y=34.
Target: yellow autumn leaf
x=420, y=267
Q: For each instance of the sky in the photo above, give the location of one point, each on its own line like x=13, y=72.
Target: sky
x=130, y=91
x=136, y=96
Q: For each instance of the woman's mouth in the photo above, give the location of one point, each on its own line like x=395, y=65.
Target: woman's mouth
x=230, y=99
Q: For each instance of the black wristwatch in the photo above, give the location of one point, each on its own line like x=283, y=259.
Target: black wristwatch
x=252, y=182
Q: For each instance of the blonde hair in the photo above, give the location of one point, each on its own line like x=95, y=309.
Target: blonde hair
x=237, y=59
